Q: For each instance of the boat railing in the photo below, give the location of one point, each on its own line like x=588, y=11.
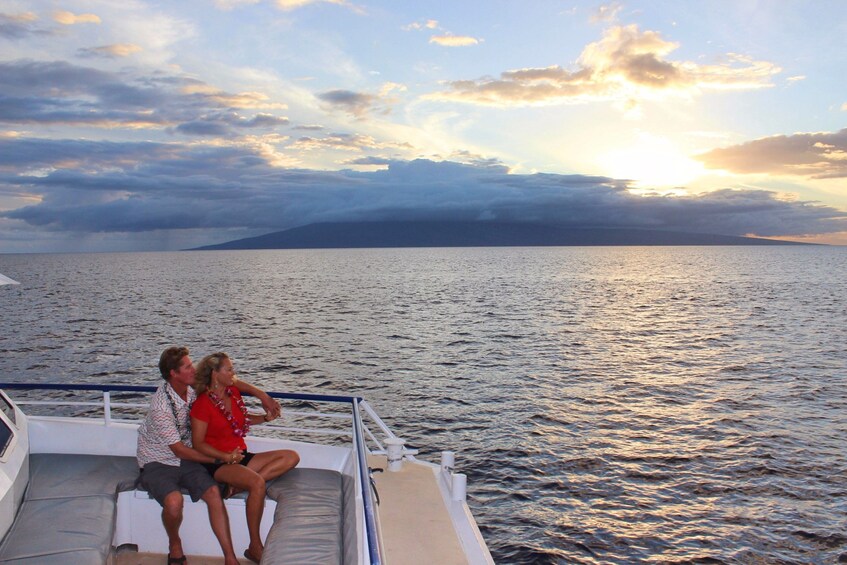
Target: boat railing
x=109, y=405
x=355, y=428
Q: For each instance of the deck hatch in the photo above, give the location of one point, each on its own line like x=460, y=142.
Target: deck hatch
x=8, y=409
x=6, y=435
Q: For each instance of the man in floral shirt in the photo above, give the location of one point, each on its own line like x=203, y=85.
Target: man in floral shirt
x=168, y=461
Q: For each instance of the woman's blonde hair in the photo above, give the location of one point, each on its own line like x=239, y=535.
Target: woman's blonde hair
x=204, y=369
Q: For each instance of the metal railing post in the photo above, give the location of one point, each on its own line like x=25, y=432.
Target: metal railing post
x=107, y=407
x=374, y=548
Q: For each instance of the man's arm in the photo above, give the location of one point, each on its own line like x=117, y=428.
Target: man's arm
x=198, y=439
x=270, y=405
x=190, y=454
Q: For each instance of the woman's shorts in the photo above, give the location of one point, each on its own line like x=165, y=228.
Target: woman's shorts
x=213, y=467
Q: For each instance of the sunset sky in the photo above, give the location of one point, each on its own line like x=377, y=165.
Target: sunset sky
x=140, y=125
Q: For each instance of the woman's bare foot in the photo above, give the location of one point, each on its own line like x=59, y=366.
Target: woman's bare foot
x=231, y=491
x=253, y=555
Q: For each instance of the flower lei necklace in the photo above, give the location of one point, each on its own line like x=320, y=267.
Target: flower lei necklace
x=240, y=431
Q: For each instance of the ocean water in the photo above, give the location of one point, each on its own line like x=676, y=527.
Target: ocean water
x=609, y=405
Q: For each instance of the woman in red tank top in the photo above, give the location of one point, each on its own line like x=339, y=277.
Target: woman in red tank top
x=219, y=426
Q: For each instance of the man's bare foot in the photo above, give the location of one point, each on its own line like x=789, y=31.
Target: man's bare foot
x=175, y=554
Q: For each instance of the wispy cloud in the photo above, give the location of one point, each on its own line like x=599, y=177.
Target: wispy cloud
x=113, y=51
x=425, y=24
x=63, y=94
x=361, y=104
x=231, y=4
x=69, y=18
x=344, y=142
x=626, y=65
x=606, y=13
x=221, y=124
x=20, y=25
x=356, y=103
x=814, y=155
x=449, y=40
x=288, y=5
x=446, y=38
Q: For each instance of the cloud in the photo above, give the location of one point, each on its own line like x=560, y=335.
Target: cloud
x=344, y=142
x=445, y=39
x=221, y=124
x=360, y=104
x=69, y=18
x=606, y=13
x=370, y=161
x=25, y=154
x=625, y=65
x=19, y=26
x=814, y=155
x=449, y=40
x=288, y=5
x=62, y=94
x=426, y=24
x=389, y=87
x=230, y=4
x=357, y=104
x=110, y=51
x=99, y=187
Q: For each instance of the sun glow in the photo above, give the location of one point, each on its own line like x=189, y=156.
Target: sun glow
x=652, y=162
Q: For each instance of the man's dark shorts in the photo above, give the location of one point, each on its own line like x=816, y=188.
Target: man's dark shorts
x=160, y=480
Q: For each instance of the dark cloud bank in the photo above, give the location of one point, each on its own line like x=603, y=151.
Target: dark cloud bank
x=96, y=187
x=58, y=93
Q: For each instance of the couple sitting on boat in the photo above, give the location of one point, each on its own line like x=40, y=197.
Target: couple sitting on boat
x=174, y=453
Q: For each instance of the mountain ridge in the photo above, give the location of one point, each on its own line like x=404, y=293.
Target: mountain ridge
x=398, y=234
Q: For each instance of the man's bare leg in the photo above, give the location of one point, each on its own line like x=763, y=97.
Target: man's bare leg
x=172, y=520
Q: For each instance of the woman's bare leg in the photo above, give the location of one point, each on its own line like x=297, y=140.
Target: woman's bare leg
x=272, y=464
x=244, y=478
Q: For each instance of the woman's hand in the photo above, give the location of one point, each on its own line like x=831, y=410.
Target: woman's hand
x=272, y=407
x=235, y=457
x=257, y=419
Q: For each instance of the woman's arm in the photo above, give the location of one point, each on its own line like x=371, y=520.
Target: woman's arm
x=256, y=419
x=198, y=438
x=270, y=405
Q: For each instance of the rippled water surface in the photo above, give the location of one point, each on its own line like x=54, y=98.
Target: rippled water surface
x=609, y=405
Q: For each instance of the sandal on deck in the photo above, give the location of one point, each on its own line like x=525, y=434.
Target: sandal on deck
x=249, y=556
x=176, y=560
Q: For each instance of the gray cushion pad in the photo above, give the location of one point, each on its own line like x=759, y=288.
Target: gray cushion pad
x=63, y=476
x=308, y=522
x=68, y=512
x=82, y=557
